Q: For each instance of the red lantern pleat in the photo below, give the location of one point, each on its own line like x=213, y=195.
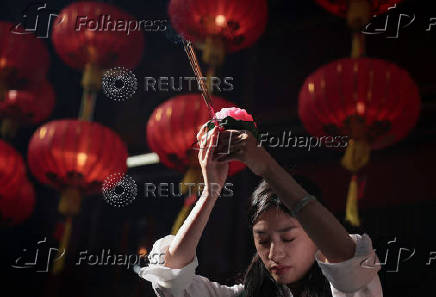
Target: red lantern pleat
x=171, y=133
x=372, y=101
x=378, y=92
x=340, y=7
x=173, y=126
x=12, y=171
x=76, y=154
x=15, y=209
x=24, y=58
x=29, y=106
x=238, y=23
x=103, y=48
x=74, y=157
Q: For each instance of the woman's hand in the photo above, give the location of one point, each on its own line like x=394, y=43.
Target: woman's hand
x=242, y=146
x=214, y=172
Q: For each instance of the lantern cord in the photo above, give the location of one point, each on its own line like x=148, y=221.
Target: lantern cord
x=87, y=105
x=59, y=263
x=91, y=83
x=358, y=45
x=201, y=83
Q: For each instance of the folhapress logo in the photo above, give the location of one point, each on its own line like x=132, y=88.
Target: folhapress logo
x=37, y=20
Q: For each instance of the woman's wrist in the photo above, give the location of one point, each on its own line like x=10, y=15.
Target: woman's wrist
x=268, y=164
x=211, y=191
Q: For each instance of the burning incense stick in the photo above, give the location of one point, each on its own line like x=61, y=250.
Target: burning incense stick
x=197, y=71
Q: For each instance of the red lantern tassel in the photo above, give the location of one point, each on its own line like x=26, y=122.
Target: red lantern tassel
x=69, y=205
x=59, y=263
x=352, y=211
x=356, y=157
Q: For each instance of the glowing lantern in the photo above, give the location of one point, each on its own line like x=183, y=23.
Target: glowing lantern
x=29, y=106
x=12, y=170
x=373, y=101
x=74, y=157
x=14, y=209
x=90, y=38
x=341, y=7
x=171, y=133
x=172, y=130
x=219, y=26
x=18, y=66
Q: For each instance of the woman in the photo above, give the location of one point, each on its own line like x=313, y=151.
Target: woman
x=294, y=235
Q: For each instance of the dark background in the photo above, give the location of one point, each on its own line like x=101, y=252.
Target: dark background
x=399, y=202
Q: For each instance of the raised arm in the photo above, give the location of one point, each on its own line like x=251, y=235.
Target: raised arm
x=318, y=222
x=322, y=227
x=182, y=249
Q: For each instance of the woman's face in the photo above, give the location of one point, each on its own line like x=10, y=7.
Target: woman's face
x=281, y=242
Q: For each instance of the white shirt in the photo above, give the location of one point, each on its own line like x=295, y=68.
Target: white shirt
x=355, y=277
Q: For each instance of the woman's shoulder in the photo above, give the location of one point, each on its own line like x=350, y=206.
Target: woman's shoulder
x=357, y=274
x=172, y=282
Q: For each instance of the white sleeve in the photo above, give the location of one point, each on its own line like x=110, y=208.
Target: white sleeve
x=355, y=277
x=168, y=282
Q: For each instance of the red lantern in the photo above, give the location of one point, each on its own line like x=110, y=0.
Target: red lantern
x=29, y=106
x=340, y=7
x=89, y=34
x=12, y=170
x=375, y=93
x=219, y=26
x=14, y=209
x=374, y=102
x=173, y=126
x=23, y=58
x=75, y=154
x=74, y=157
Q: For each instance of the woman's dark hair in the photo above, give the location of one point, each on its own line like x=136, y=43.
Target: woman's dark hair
x=258, y=281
